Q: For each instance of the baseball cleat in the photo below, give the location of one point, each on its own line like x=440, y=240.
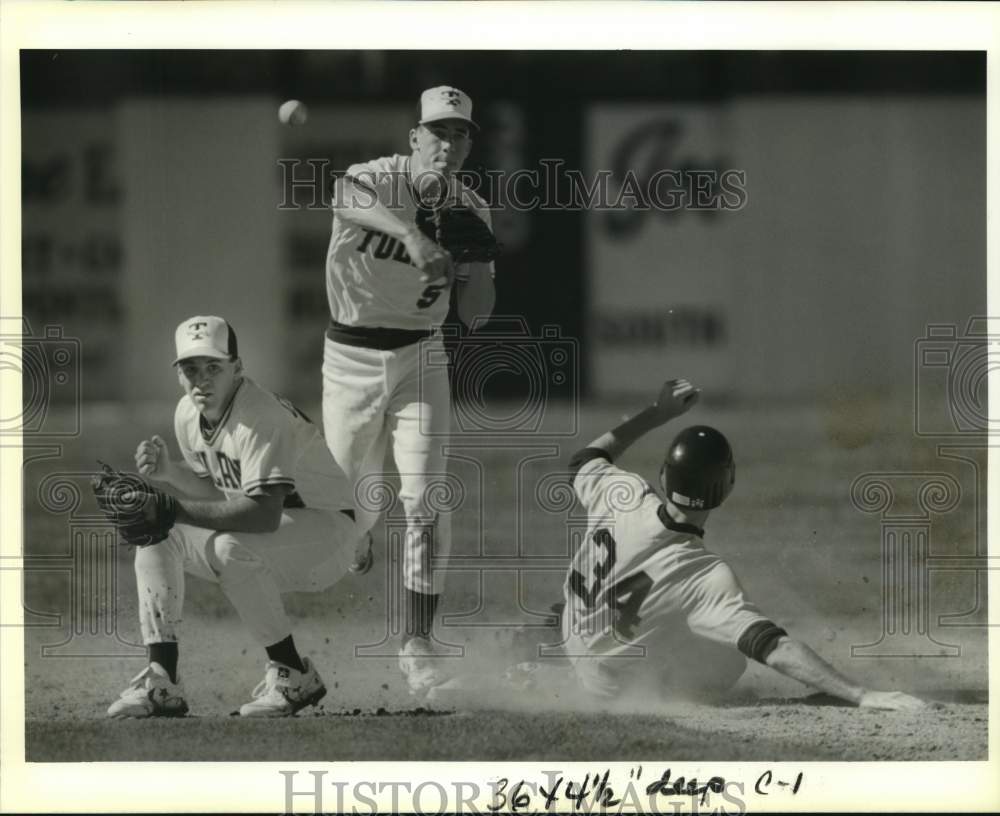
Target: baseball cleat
x=283, y=691
x=150, y=694
x=364, y=558
x=423, y=667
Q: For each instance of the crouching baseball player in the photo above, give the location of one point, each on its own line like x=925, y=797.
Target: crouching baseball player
x=259, y=506
x=647, y=607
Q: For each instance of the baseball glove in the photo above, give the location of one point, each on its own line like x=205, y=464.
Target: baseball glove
x=461, y=232
x=141, y=514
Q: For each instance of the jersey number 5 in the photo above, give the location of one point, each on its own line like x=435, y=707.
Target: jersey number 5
x=624, y=598
x=430, y=295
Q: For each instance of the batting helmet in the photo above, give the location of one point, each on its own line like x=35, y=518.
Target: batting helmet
x=698, y=472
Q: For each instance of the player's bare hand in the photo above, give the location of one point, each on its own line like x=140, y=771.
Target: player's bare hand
x=675, y=397
x=432, y=260
x=892, y=701
x=152, y=459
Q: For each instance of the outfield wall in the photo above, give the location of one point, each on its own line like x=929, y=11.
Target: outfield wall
x=861, y=221
x=137, y=217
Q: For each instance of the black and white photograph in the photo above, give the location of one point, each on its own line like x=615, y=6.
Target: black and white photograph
x=607, y=425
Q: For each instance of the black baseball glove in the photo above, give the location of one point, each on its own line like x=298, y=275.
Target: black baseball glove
x=142, y=514
x=461, y=232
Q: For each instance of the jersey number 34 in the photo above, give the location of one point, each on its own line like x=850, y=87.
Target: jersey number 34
x=624, y=597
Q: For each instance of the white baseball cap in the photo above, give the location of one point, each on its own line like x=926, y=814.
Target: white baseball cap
x=205, y=336
x=445, y=102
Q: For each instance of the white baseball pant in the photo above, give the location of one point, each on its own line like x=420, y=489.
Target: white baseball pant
x=310, y=551
x=371, y=396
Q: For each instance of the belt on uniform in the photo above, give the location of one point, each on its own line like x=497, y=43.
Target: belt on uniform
x=374, y=337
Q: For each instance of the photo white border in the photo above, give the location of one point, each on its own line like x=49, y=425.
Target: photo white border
x=81, y=787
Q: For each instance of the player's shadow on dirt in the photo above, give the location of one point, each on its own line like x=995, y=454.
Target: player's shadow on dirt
x=818, y=699
x=953, y=696
x=958, y=696
x=374, y=712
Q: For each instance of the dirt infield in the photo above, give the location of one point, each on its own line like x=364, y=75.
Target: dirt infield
x=368, y=715
x=781, y=730
x=804, y=552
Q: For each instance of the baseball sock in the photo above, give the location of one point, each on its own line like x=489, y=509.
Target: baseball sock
x=166, y=655
x=420, y=609
x=284, y=651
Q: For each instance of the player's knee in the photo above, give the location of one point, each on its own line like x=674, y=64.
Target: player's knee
x=168, y=551
x=230, y=556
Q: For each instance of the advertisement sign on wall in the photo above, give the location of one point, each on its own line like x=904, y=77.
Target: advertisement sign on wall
x=782, y=247
x=72, y=257
x=661, y=292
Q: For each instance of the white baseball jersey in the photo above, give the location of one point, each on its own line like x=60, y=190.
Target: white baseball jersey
x=370, y=279
x=638, y=572
x=262, y=440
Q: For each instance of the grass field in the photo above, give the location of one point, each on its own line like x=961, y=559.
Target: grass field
x=808, y=557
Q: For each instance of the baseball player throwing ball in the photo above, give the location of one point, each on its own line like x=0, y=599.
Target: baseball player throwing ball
x=648, y=607
x=407, y=236
x=255, y=504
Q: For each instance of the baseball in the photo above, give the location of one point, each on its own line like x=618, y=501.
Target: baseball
x=293, y=112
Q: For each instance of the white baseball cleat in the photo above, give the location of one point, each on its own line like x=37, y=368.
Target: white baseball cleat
x=283, y=691
x=423, y=667
x=150, y=694
x=364, y=558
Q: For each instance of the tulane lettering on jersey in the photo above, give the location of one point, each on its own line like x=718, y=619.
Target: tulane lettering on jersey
x=370, y=279
x=383, y=247
x=228, y=469
x=262, y=443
